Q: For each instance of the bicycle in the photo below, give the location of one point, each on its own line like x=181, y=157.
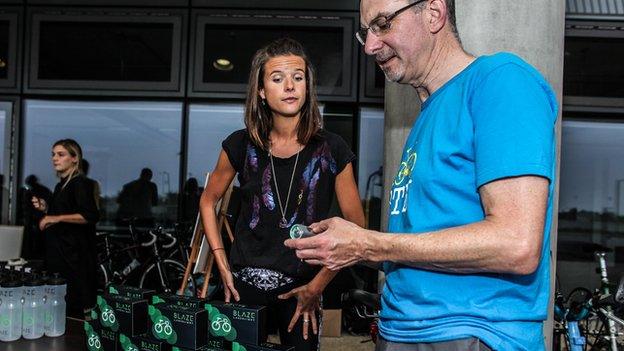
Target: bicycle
x=588, y=318
x=156, y=272
x=366, y=307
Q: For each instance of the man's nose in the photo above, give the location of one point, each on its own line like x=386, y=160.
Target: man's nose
x=289, y=84
x=373, y=44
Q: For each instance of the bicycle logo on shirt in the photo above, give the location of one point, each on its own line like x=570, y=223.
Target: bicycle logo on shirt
x=406, y=167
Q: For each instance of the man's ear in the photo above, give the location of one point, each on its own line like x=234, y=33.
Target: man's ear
x=437, y=15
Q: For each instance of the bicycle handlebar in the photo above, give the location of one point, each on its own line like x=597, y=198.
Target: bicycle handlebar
x=152, y=241
x=173, y=240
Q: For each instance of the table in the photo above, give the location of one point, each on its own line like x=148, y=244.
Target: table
x=72, y=340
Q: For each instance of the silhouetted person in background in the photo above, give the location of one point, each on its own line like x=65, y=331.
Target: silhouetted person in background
x=85, y=165
x=136, y=200
x=191, y=193
x=33, y=245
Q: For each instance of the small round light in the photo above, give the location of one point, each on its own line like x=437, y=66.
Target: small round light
x=223, y=64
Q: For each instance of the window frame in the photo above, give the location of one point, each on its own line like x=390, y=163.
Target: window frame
x=200, y=18
x=173, y=88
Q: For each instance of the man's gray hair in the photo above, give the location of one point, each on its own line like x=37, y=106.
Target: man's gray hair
x=450, y=10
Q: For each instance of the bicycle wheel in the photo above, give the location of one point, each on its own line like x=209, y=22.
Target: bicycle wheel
x=174, y=274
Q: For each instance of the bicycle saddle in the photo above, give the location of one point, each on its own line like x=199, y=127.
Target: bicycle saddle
x=366, y=298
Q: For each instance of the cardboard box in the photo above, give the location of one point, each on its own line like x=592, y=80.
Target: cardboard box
x=130, y=291
x=123, y=314
x=92, y=337
x=179, y=300
x=212, y=346
x=99, y=338
x=236, y=322
x=332, y=323
x=183, y=327
x=265, y=346
x=142, y=343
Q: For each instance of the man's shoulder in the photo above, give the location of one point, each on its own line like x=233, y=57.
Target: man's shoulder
x=494, y=63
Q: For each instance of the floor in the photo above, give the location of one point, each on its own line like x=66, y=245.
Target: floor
x=346, y=342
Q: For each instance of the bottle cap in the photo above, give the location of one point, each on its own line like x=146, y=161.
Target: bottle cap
x=34, y=280
x=11, y=282
x=56, y=279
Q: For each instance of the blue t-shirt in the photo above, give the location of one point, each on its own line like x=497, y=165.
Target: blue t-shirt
x=493, y=120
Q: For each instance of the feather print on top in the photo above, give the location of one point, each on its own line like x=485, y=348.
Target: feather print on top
x=312, y=196
x=251, y=162
x=255, y=214
x=327, y=160
x=267, y=193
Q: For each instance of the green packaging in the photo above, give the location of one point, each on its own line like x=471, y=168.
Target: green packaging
x=179, y=300
x=142, y=343
x=183, y=327
x=265, y=346
x=123, y=314
x=99, y=338
x=130, y=291
x=236, y=322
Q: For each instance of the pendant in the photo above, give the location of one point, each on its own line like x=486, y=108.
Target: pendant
x=283, y=223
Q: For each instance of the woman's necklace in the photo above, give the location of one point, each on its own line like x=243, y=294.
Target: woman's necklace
x=283, y=222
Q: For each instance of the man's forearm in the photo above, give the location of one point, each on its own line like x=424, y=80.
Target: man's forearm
x=477, y=247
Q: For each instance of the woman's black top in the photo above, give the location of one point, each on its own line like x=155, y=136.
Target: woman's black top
x=259, y=237
x=70, y=248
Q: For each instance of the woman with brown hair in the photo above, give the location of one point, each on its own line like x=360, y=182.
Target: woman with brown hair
x=69, y=228
x=289, y=170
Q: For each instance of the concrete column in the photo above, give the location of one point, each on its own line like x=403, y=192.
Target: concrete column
x=533, y=29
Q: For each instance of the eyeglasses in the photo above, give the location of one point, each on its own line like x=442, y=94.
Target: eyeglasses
x=381, y=24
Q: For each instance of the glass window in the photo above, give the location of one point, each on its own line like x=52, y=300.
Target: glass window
x=370, y=162
x=234, y=42
x=208, y=126
x=5, y=37
x=117, y=51
x=225, y=44
x=121, y=141
x=6, y=109
x=593, y=66
x=591, y=201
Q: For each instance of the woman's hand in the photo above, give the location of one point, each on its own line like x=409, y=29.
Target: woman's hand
x=47, y=221
x=228, y=284
x=308, y=302
x=39, y=204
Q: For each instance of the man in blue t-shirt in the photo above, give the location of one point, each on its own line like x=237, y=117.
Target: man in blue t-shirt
x=467, y=253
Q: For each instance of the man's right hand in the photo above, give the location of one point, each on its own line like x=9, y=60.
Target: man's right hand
x=338, y=243
x=39, y=204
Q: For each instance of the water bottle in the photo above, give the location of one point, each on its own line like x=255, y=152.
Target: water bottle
x=33, y=312
x=10, y=308
x=56, y=288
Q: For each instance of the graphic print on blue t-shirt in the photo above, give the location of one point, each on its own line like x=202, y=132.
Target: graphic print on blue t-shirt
x=493, y=120
x=402, y=181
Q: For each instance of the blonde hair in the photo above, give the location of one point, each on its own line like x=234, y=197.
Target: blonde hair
x=75, y=150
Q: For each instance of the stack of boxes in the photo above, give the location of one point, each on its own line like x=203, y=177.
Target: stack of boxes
x=133, y=319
